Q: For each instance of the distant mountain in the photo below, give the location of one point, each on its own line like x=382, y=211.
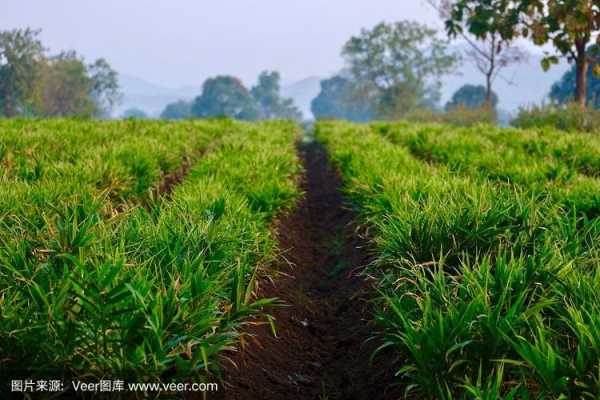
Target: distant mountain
x=151, y=98
x=302, y=92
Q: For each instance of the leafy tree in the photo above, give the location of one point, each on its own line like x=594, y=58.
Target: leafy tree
x=105, y=86
x=32, y=83
x=288, y=110
x=472, y=96
x=64, y=88
x=563, y=90
x=225, y=96
x=180, y=109
x=267, y=94
x=571, y=26
x=490, y=53
x=21, y=52
x=134, y=113
x=335, y=101
x=398, y=66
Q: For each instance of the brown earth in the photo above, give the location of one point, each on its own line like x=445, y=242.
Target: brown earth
x=321, y=349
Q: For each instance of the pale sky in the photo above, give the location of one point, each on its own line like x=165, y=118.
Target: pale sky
x=182, y=42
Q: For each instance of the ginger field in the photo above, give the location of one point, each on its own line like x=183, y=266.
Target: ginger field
x=112, y=266
x=381, y=261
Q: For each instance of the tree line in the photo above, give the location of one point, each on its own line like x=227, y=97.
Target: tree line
x=390, y=69
x=228, y=96
x=393, y=69
x=34, y=83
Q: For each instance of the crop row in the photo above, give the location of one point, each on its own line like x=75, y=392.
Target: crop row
x=578, y=151
x=154, y=291
x=119, y=164
x=486, y=289
x=504, y=156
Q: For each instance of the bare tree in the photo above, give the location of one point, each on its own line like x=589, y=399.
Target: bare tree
x=490, y=54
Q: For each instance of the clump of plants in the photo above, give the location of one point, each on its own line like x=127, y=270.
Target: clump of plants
x=569, y=118
x=459, y=116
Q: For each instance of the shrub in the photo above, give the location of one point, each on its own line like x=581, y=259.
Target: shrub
x=459, y=116
x=567, y=118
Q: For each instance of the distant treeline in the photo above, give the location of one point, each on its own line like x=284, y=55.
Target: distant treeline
x=226, y=96
x=392, y=71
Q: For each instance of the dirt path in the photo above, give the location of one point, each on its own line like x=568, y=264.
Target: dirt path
x=320, y=351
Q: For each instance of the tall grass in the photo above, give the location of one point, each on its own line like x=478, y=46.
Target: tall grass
x=567, y=118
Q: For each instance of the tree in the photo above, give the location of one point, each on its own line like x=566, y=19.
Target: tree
x=21, y=52
x=64, y=88
x=562, y=92
x=33, y=83
x=134, y=113
x=180, y=109
x=267, y=94
x=105, y=86
x=398, y=65
x=472, y=96
x=225, y=96
x=490, y=53
x=335, y=101
x=571, y=26
x=288, y=110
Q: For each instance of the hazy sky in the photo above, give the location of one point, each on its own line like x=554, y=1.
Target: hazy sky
x=182, y=42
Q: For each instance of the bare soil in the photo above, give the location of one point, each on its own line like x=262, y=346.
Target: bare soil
x=321, y=350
